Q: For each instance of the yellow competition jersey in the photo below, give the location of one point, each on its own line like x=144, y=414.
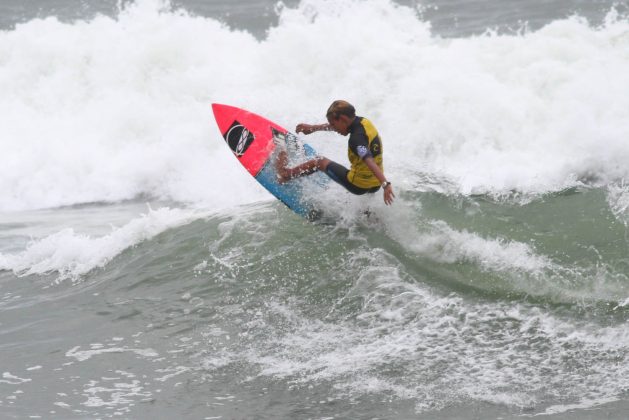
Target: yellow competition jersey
x=364, y=142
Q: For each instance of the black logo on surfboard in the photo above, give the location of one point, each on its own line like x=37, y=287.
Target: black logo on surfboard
x=239, y=138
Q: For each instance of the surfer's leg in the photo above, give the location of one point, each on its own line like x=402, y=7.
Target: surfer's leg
x=338, y=173
x=285, y=174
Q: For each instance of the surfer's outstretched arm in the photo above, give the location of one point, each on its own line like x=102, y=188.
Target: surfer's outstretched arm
x=311, y=128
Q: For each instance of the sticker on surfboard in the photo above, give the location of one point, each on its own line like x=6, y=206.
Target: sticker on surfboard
x=239, y=138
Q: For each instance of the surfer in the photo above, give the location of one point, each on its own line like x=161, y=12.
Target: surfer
x=366, y=174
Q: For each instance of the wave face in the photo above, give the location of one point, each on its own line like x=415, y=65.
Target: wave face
x=496, y=284
x=409, y=315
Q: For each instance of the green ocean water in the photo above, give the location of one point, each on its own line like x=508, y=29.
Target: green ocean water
x=512, y=309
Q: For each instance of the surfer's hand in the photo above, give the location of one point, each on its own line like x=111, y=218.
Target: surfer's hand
x=388, y=195
x=305, y=128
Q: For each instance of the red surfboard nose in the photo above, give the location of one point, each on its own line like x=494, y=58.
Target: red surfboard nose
x=248, y=135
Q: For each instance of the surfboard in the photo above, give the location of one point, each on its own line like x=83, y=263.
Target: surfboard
x=255, y=142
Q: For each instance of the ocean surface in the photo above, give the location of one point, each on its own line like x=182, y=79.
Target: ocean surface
x=145, y=275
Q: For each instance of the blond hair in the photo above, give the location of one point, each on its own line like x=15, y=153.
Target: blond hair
x=339, y=108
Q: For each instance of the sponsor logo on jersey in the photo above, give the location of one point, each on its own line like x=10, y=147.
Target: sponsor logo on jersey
x=362, y=151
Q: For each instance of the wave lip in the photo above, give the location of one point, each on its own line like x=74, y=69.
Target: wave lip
x=72, y=254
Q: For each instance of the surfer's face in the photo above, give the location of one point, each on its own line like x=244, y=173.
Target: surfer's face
x=340, y=124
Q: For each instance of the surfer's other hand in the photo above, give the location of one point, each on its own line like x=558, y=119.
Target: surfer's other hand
x=388, y=195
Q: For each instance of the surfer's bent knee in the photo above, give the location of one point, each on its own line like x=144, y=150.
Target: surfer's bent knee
x=322, y=163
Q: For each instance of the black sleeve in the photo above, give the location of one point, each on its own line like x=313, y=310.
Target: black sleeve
x=359, y=144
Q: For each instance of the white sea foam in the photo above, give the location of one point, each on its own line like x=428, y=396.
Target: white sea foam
x=10, y=379
x=447, y=245
x=618, y=200
x=110, y=109
x=452, y=351
x=73, y=254
x=82, y=355
x=440, y=242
